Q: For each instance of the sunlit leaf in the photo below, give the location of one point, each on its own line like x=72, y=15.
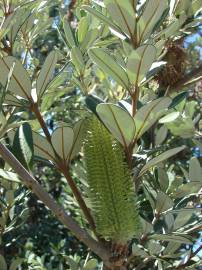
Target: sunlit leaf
x=62, y=140
x=10, y=176
x=195, y=170
x=139, y=252
x=101, y=17
x=123, y=14
x=92, y=101
x=153, y=11
x=20, y=16
x=20, y=83
x=167, y=154
x=139, y=63
x=169, y=117
x=89, y=39
x=82, y=28
x=23, y=145
x=77, y=59
x=79, y=131
x=109, y=65
x=118, y=121
x=147, y=115
x=42, y=147
x=184, y=239
x=178, y=98
x=163, y=202
x=163, y=179
x=91, y=264
x=46, y=73
x=70, y=39
x=187, y=189
x=182, y=218
x=161, y=135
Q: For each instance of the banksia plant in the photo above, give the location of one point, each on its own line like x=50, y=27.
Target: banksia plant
x=111, y=190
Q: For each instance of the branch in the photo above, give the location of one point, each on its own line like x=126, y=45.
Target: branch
x=191, y=256
x=35, y=109
x=79, y=198
x=189, y=79
x=64, y=170
x=59, y=211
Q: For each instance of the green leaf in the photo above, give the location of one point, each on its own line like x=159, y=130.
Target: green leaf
x=183, y=126
x=62, y=141
x=68, y=33
x=23, y=147
x=91, y=264
x=77, y=59
x=6, y=25
x=79, y=131
x=187, y=189
x=3, y=263
x=42, y=147
x=20, y=16
x=139, y=63
x=15, y=264
x=46, y=73
x=195, y=170
x=92, y=101
x=123, y=14
x=173, y=238
x=101, y=17
x=163, y=179
x=72, y=263
x=154, y=247
x=182, y=218
x=171, y=248
x=147, y=115
x=145, y=227
x=161, y=135
x=89, y=39
x=139, y=252
x=20, y=83
x=118, y=121
x=169, y=117
x=167, y=154
x=82, y=28
x=10, y=176
x=196, y=6
x=163, y=202
x=9, y=196
x=110, y=66
x=153, y=11
x=177, y=99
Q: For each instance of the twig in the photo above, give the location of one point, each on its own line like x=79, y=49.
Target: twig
x=194, y=229
x=188, y=79
x=64, y=170
x=135, y=98
x=59, y=211
x=35, y=109
x=78, y=197
x=191, y=256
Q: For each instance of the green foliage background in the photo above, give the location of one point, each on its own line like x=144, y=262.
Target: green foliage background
x=169, y=203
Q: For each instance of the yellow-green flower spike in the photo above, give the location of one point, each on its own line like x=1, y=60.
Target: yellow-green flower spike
x=111, y=190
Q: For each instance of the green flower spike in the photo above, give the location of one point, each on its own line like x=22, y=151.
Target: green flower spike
x=111, y=190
